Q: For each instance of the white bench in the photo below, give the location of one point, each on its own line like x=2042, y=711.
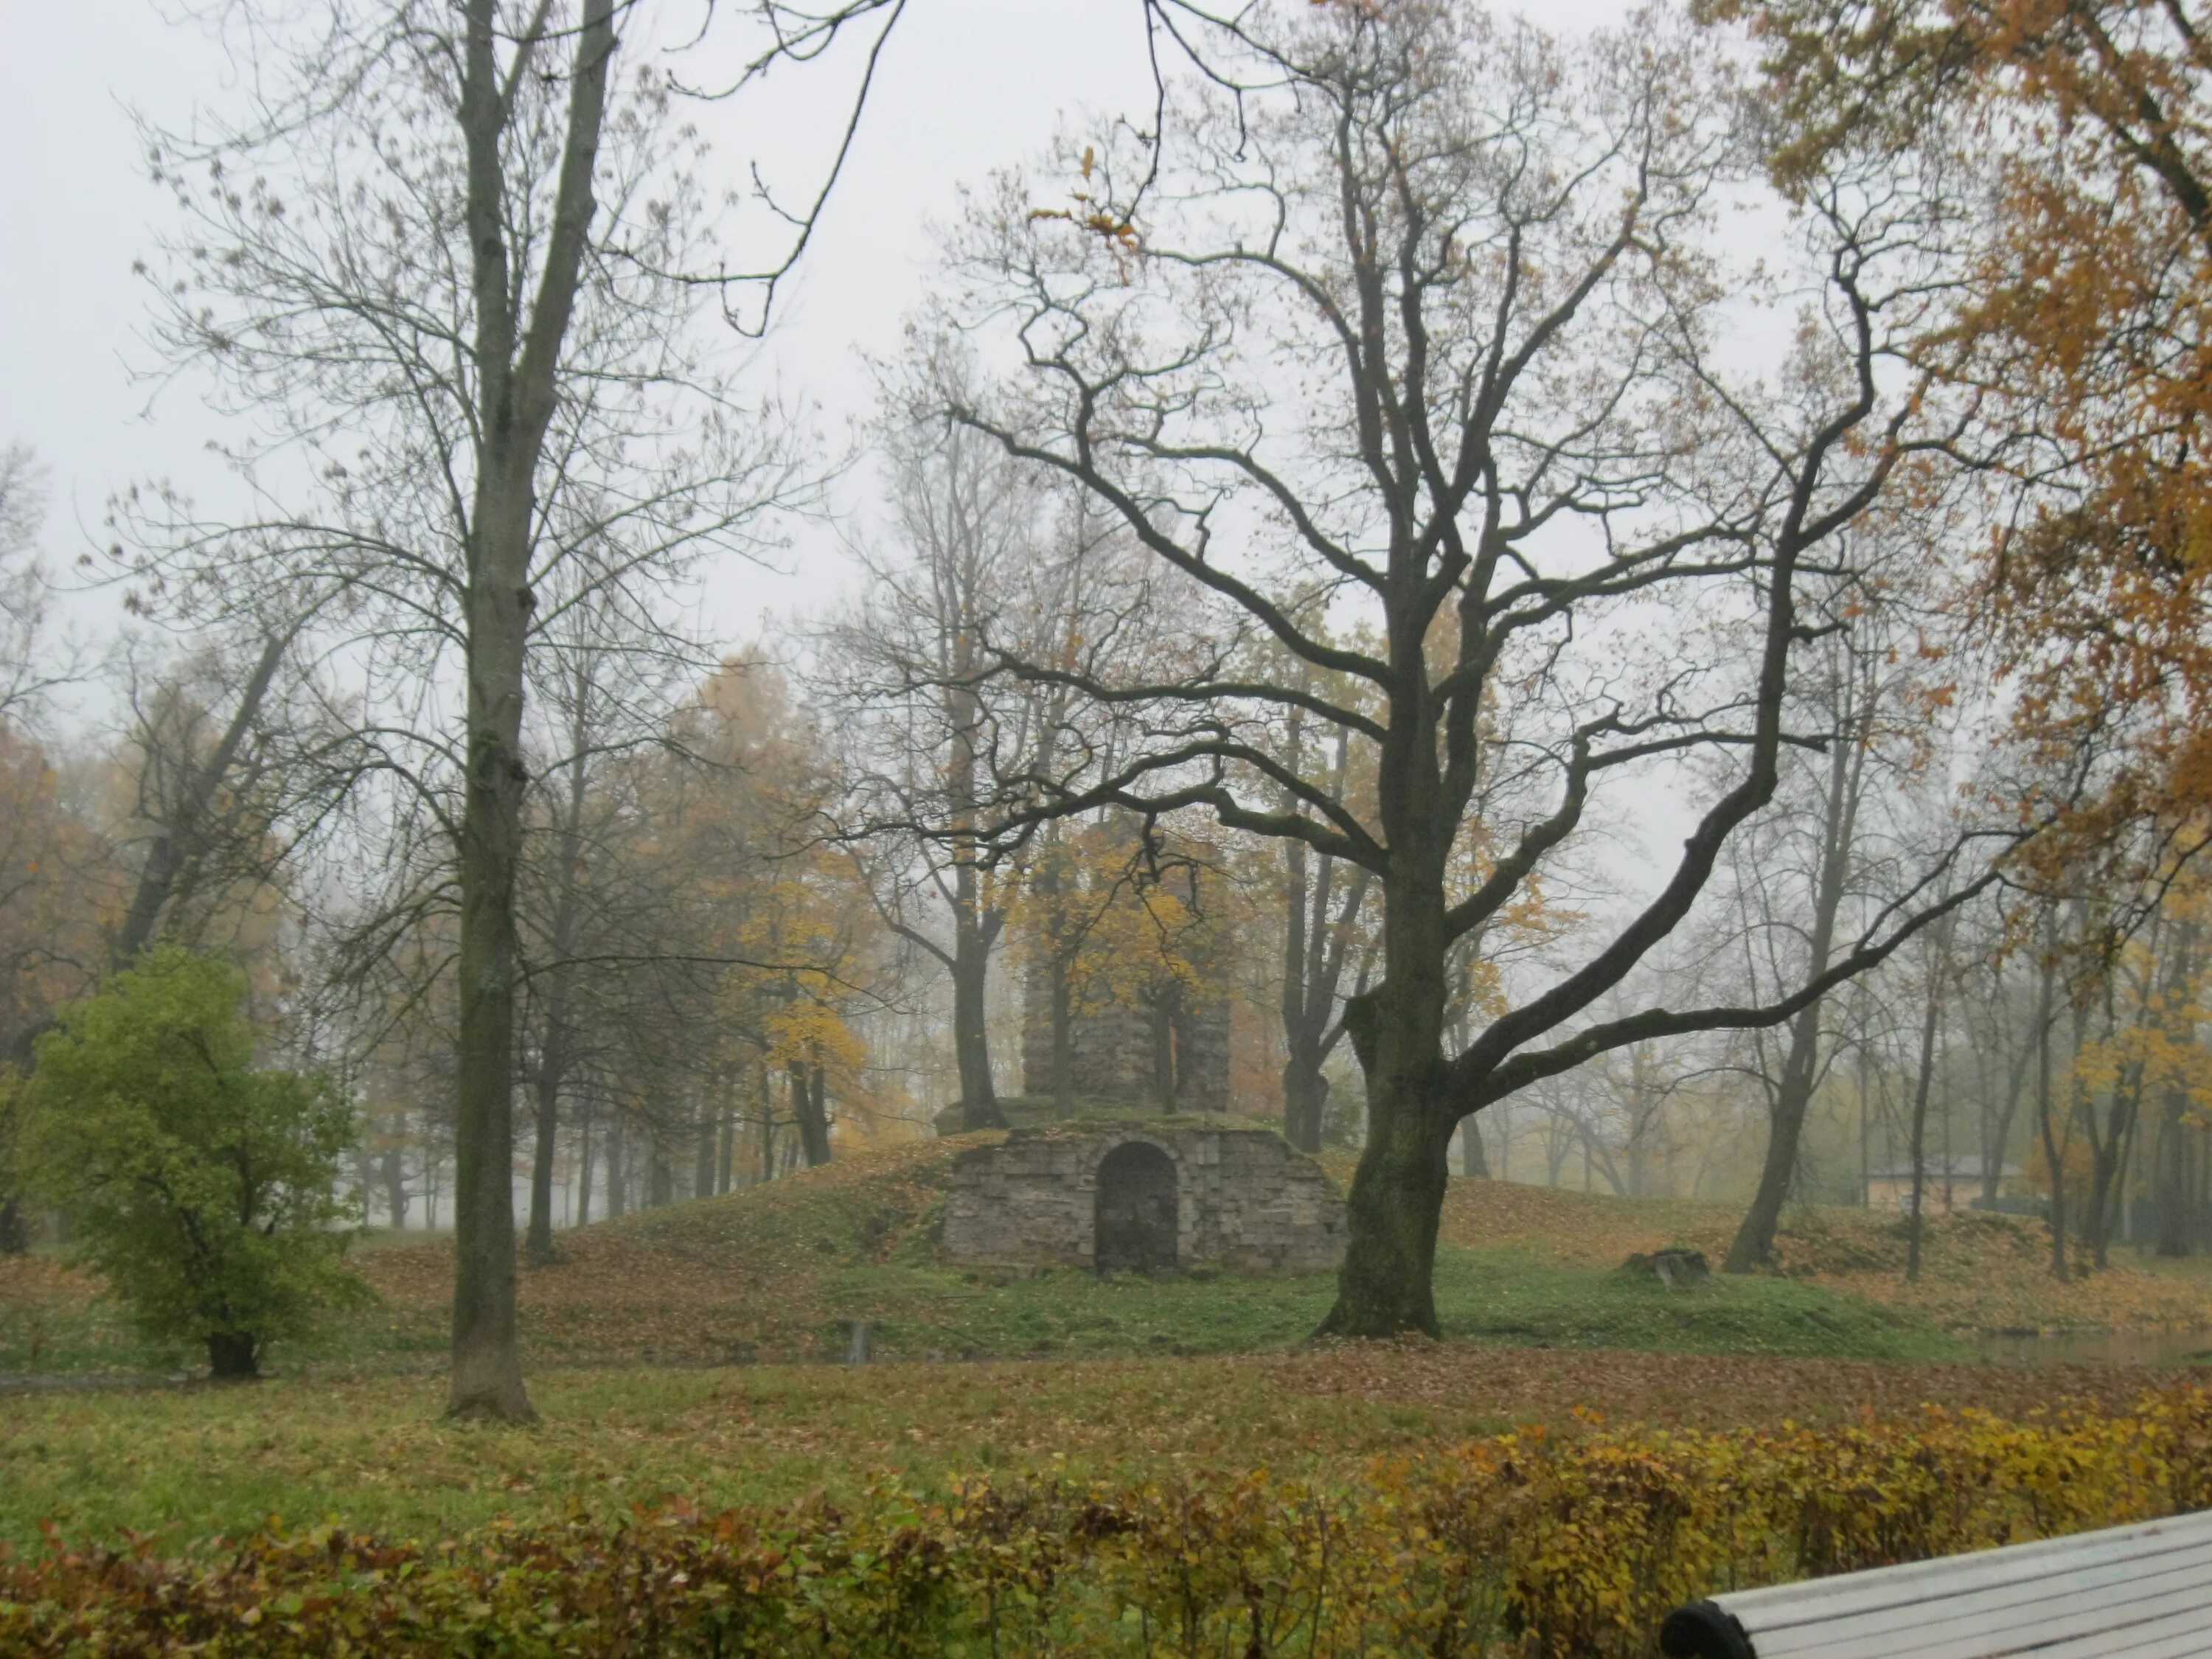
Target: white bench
x=2140, y=1592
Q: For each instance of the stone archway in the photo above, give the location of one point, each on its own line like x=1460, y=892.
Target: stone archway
x=1136, y=1210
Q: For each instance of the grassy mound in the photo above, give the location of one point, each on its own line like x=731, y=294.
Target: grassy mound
x=777, y=1272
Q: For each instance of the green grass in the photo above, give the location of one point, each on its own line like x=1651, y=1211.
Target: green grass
x=1504, y=1294
x=1510, y=1294
x=776, y=1272
x=191, y=1463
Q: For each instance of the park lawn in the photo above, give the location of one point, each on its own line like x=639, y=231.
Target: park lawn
x=776, y=1273
x=1506, y=1293
x=185, y=1464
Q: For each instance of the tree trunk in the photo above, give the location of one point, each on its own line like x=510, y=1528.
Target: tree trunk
x=1314, y=958
x=394, y=1172
x=516, y=362
x=547, y=1121
x=1472, y=1159
x=1915, y=1219
x=486, y=1364
x=1305, y=1097
x=971, y=1036
x=703, y=1150
x=583, y=1165
x=2107, y=1155
x=1754, y=1244
x=811, y=1111
x=2053, y=1153
x=1385, y=1286
x=2000, y=1129
x=617, y=1173
x=232, y=1357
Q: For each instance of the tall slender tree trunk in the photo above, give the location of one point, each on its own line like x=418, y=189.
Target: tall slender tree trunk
x=617, y=1172
x=1753, y=1243
x=702, y=1150
x=516, y=362
x=2053, y=1152
x=1915, y=1220
x=546, y=1126
x=1314, y=958
x=584, y=1164
x=1993, y=1160
x=725, y=1173
x=555, y=1045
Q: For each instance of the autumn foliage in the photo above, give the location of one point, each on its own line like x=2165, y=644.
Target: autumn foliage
x=1523, y=1544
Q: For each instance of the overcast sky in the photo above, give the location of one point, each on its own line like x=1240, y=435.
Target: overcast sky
x=968, y=85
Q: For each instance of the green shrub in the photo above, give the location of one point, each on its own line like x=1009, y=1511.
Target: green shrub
x=202, y=1189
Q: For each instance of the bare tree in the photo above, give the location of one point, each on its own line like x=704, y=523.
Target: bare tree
x=1803, y=868
x=1426, y=327
x=32, y=663
x=925, y=725
x=451, y=260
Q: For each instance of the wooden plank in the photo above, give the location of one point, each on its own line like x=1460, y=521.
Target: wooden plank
x=1779, y=1605
x=1992, y=1609
x=2176, y=1636
x=2193, y=1597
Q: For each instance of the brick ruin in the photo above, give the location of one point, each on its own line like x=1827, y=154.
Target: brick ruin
x=1145, y=1197
x=1172, y=1054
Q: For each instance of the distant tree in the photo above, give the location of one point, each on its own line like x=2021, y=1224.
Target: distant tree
x=203, y=1189
x=32, y=663
x=2075, y=311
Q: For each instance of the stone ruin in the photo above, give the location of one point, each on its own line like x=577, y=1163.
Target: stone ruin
x=1145, y=1197
x=1164, y=1043
x=1172, y=1053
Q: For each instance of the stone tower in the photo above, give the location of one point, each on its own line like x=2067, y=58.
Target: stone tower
x=1164, y=1045
x=1172, y=1051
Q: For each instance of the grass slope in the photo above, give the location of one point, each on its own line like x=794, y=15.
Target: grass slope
x=775, y=1272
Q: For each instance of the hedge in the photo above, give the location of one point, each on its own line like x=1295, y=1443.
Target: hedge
x=1527, y=1544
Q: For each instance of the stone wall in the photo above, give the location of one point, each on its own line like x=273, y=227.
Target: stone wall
x=1244, y=1201
x=1112, y=1054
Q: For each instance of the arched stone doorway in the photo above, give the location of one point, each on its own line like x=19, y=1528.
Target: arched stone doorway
x=1136, y=1214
